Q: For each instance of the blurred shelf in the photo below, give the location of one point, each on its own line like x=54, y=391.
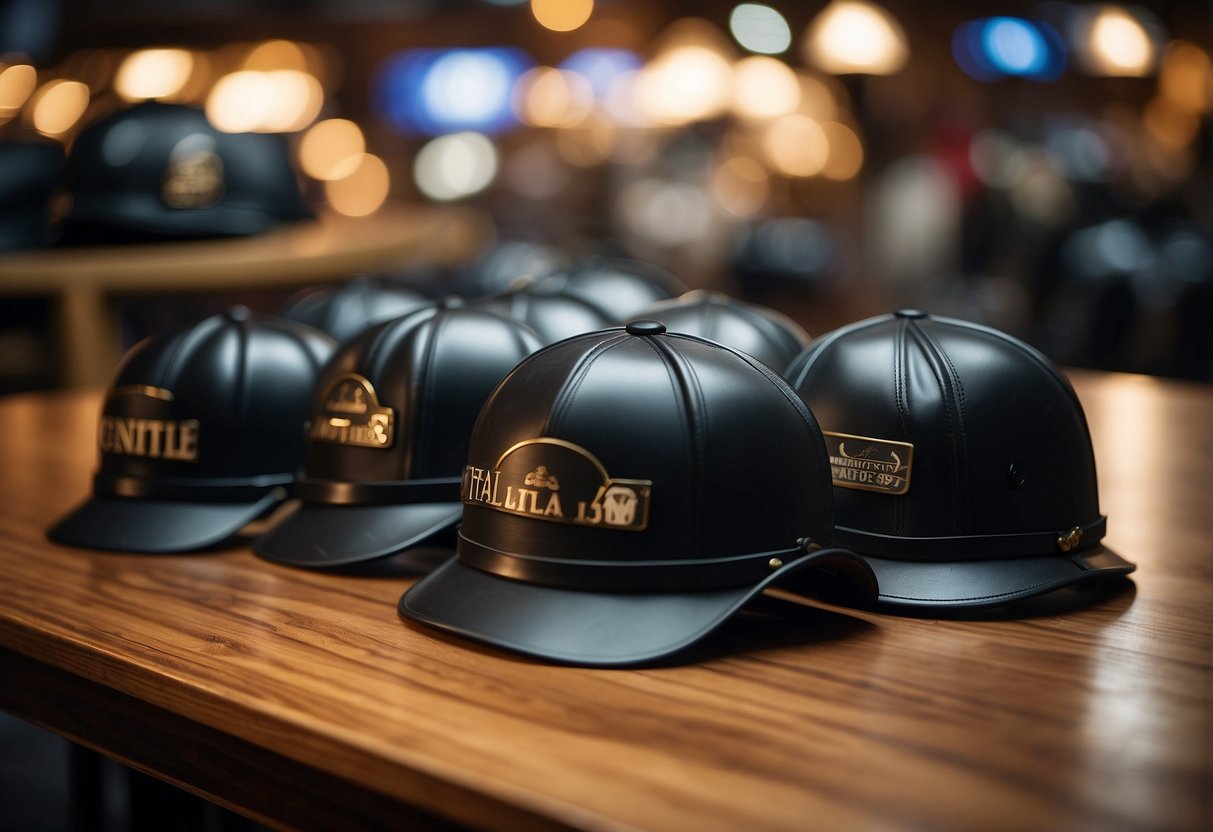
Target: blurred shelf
x=84, y=280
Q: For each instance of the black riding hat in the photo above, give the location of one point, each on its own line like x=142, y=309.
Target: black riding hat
x=347, y=309
x=391, y=417
x=771, y=337
x=200, y=433
x=553, y=317
x=626, y=492
x=962, y=465
x=162, y=172
x=618, y=287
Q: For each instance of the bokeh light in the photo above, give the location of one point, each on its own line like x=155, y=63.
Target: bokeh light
x=153, y=73
x=280, y=101
x=1185, y=77
x=853, y=36
x=436, y=91
x=764, y=88
x=602, y=67
x=845, y=157
x=276, y=54
x=997, y=47
x=562, y=15
x=330, y=148
x=549, y=97
x=796, y=145
x=760, y=28
x=57, y=106
x=686, y=84
x=455, y=166
x=741, y=186
x=1114, y=42
x=17, y=84
x=362, y=190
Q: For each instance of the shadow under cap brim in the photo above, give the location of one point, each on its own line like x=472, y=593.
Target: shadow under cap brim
x=320, y=536
x=158, y=526
x=603, y=629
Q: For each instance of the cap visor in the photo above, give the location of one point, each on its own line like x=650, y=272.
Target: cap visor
x=588, y=628
x=988, y=583
x=329, y=536
x=157, y=526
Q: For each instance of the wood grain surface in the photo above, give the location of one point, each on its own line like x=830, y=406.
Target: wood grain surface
x=1084, y=713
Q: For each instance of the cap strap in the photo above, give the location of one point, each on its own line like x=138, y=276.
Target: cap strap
x=210, y=490
x=973, y=547
x=627, y=575
x=344, y=492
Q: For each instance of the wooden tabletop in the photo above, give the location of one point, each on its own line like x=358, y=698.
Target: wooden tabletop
x=303, y=700
x=83, y=279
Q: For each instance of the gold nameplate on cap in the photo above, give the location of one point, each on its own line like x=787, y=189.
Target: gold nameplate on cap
x=557, y=481
x=869, y=464
x=193, y=180
x=153, y=438
x=351, y=415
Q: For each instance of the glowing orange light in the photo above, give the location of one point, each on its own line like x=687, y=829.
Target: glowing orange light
x=58, y=106
x=562, y=15
x=153, y=73
x=854, y=36
x=330, y=149
x=795, y=145
x=363, y=190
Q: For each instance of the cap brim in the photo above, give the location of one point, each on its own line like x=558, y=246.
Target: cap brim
x=988, y=583
x=598, y=629
x=157, y=526
x=331, y=536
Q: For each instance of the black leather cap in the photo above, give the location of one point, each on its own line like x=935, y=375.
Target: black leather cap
x=618, y=287
x=553, y=317
x=346, y=309
x=200, y=433
x=30, y=175
x=391, y=417
x=162, y=172
x=962, y=464
x=771, y=337
x=626, y=492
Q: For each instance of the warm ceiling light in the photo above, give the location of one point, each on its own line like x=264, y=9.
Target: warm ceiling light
x=686, y=84
x=764, y=88
x=58, y=106
x=548, y=97
x=276, y=54
x=330, y=148
x=363, y=190
x=853, y=36
x=282, y=101
x=845, y=157
x=17, y=83
x=562, y=15
x=1119, y=44
x=795, y=145
x=153, y=73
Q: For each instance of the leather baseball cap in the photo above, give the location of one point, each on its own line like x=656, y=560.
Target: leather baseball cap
x=553, y=317
x=962, y=464
x=346, y=309
x=200, y=434
x=618, y=286
x=771, y=337
x=626, y=492
x=388, y=436
x=162, y=172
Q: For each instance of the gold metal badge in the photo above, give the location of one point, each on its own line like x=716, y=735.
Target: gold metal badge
x=350, y=414
x=119, y=432
x=868, y=464
x=193, y=180
x=560, y=482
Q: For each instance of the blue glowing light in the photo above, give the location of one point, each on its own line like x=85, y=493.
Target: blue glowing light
x=436, y=91
x=998, y=47
x=602, y=66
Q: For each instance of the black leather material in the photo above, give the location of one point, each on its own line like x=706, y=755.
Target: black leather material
x=1000, y=473
x=422, y=379
x=617, y=287
x=633, y=472
x=347, y=309
x=162, y=172
x=771, y=337
x=203, y=421
x=553, y=317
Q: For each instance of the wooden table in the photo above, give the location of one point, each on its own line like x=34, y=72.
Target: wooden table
x=83, y=280
x=301, y=699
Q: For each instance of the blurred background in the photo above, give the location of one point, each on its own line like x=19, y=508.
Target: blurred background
x=1044, y=168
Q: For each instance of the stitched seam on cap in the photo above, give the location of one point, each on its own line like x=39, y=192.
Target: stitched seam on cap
x=563, y=399
x=901, y=403
x=816, y=348
x=685, y=381
x=944, y=373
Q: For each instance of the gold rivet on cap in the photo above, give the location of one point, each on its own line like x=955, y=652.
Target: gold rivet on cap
x=1070, y=539
x=775, y=563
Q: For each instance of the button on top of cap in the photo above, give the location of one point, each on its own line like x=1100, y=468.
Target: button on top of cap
x=645, y=328
x=239, y=313
x=910, y=313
